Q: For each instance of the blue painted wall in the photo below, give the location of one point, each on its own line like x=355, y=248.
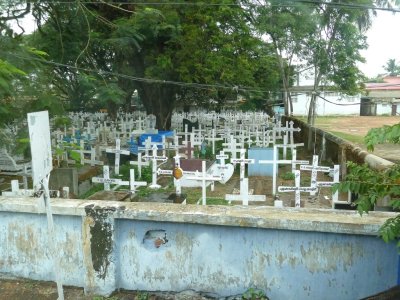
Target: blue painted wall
x=157, y=255
x=257, y=169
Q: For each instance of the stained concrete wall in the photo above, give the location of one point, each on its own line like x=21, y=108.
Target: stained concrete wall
x=289, y=253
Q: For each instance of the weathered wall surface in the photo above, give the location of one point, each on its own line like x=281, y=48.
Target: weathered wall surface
x=290, y=253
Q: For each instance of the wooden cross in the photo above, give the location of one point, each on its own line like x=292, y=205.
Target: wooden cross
x=117, y=151
x=314, y=168
x=335, y=195
x=106, y=180
x=297, y=188
x=204, y=178
x=132, y=183
x=233, y=147
x=139, y=163
x=154, y=158
x=147, y=146
x=276, y=161
x=213, y=138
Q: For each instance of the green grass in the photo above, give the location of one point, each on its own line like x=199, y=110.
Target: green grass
x=349, y=137
x=217, y=201
x=94, y=189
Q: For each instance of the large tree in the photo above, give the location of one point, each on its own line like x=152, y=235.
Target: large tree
x=392, y=67
x=107, y=50
x=287, y=27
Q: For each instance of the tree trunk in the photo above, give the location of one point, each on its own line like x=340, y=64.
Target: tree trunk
x=158, y=100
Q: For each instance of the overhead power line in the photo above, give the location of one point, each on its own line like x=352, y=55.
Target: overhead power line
x=205, y=4
x=147, y=80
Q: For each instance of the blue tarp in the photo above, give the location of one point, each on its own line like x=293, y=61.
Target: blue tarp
x=156, y=137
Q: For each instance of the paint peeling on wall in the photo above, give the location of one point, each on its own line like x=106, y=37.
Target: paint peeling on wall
x=155, y=238
x=101, y=233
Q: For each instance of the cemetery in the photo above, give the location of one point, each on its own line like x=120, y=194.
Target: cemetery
x=250, y=159
x=206, y=188
x=180, y=150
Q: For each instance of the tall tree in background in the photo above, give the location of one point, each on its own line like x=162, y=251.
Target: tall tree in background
x=392, y=67
x=287, y=27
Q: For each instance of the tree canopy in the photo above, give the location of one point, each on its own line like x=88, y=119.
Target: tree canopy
x=97, y=54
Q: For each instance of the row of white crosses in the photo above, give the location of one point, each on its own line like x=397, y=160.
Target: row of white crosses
x=315, y=184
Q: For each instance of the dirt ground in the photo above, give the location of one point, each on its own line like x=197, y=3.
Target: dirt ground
x=359, y=126
x=19, y=289
x=356, y=125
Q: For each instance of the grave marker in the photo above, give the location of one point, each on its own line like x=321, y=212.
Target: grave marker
x=297, y=188
x=154, y=159
x=314, y=168
x=275, y=162
x=139, y=163
x=117, y=151
x=204, y=177
x=335, y=196
x=106, y=180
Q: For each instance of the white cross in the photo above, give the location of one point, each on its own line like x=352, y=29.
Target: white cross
x=154, y=159
x=221, y=157
x=204, y=178
x=275, y=162
x=147, y=146
x=297, y=188
x=132, y=183
x=117, y=151
x=106, y=180
x=335, y=195
x=213, y=138
x=139, y=163
x=242, y=161
x=314, y=168
x=232, y=147
x=15, y=191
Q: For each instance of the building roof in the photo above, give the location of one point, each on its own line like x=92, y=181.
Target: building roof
x=391, y=83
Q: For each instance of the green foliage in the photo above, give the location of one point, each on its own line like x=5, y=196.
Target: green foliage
x=370, y=186
x=385, y=134
x=60, y=121
x=254, y=294
x=217, y=201
x=142, y=296
x=94, y=189
x=392, y=67
x=288, y=176
x=124, y=171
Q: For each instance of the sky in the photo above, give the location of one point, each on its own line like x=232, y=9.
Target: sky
x=384, y=43
x=382, y=38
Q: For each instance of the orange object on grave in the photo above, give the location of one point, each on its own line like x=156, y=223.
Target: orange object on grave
x=177, y=173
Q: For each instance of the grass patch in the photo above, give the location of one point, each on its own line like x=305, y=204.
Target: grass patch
x=349, y=137
x=94, y=189
x=217, y=201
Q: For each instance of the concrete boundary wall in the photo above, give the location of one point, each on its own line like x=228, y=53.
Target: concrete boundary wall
x=219, y=250
x=335, y=149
